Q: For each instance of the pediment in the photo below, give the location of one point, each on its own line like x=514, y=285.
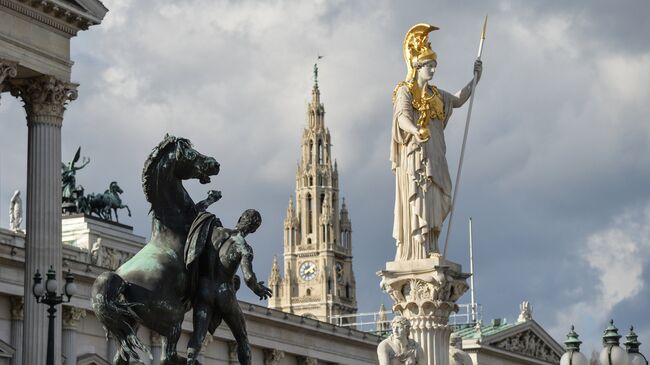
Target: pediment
x=527, y=339
x=91, y=359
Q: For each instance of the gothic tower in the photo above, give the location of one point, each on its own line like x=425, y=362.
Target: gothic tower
x=318, y=280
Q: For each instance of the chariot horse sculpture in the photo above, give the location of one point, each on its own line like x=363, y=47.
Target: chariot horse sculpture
x=151, y=288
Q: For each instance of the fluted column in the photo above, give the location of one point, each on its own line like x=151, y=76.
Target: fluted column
x=156, y=348
x=17, y=305
x=71, y=318
x=44, y=100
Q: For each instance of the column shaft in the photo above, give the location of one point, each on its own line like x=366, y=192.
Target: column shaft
x=45, y=98
x=69, y=350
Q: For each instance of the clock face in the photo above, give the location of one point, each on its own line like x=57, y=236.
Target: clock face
x=339, y=272
x=308, y=270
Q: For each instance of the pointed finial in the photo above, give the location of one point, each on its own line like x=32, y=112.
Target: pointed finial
x=611, y=336
x=572, y=343
x=315, y=74
x=632, y=343
x=484, y=27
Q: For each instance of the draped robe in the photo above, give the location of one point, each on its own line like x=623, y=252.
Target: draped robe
x=422, y=181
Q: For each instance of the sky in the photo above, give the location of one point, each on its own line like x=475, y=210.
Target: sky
x=557, y=168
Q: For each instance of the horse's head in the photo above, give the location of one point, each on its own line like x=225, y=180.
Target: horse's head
x=114, y=188
x=190, y=164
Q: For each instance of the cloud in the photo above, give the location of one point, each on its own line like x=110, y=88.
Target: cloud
x=616, y=255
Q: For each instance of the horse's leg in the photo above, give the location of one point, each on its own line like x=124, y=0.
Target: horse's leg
x=117, y=219
x=127, y=209
x=169, y=354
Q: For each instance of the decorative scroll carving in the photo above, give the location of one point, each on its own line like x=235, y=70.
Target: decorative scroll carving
x=272, y=356
x=44, y=96
x=529, y=344
x=17, y=306
x=72, y=316
x=7, y=69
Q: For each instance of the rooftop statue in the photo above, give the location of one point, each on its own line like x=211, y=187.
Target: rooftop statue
x=70, y=192
x=420, y=114
x=16, y=212
x=74, y=201
x=151, y=288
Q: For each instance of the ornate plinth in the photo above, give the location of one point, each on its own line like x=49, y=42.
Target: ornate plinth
x=425, y=292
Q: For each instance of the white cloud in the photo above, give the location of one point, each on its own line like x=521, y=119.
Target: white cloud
x=617, y=256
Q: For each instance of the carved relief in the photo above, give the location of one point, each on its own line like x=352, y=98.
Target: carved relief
x=529, y=344
x=7, y=69
x=272, y=356
x=107, y=257
x=232, y=351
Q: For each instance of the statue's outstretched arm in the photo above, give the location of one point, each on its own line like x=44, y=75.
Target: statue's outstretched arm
x=251, y=280
x=460, y=97
x=213, y=197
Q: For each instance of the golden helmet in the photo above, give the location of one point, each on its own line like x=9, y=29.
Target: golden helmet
x=417, y=48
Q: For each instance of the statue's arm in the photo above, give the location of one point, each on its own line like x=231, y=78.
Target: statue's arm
x=383, y=353
x=460, y=97
x=403, y=111
x=249, y=275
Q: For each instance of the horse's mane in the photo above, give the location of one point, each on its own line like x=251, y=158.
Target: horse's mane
x=148, y=172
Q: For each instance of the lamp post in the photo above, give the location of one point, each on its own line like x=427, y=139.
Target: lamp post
x=632, y=347
x=47, y=294
x=573, y=356
x=612, y=353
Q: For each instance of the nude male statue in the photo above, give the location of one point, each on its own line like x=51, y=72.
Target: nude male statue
x=214, y=297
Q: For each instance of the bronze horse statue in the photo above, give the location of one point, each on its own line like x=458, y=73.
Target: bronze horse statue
x=101, y=204
x=151, y=288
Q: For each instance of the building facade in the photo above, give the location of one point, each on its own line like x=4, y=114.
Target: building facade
x=91, y=246
x=318, y=279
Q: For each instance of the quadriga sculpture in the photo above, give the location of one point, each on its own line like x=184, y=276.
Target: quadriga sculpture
x=150, y=288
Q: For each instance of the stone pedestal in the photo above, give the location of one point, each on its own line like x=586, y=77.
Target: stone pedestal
x=108, y=244
x=425, y=292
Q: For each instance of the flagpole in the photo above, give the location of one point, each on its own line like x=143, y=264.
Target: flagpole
x=462, y=150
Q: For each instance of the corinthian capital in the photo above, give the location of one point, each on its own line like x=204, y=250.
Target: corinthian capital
x=72, y=316
x=17, y=305
x=45, y=97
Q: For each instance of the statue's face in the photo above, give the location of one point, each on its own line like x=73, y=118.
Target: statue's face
x=425, y=73
x=400, y=331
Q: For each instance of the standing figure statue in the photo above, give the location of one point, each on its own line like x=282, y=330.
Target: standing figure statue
x=16, y=212
x=398, y=348
x=213, y=255
x=420, y=114
x=70, y=193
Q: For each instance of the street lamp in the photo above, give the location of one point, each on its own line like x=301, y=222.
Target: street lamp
x=573, y=356
x=612, y=353
x=47, y=294
x=632, y=347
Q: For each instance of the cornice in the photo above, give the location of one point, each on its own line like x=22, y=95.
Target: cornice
x=54, y=14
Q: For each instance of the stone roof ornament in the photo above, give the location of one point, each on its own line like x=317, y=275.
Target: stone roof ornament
x=525, y=312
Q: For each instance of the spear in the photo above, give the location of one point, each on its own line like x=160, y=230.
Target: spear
x=462, y=150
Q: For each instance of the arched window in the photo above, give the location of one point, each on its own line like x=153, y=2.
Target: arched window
x=309, y=213
x=311, y=150
x=308, y=292
x=320, y=151
x=347, y=290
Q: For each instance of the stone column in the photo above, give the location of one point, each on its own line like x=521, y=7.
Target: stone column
x=425, y=292
x=71, y=318
x=156, y=348
x=17, y=329
x=45, y=98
